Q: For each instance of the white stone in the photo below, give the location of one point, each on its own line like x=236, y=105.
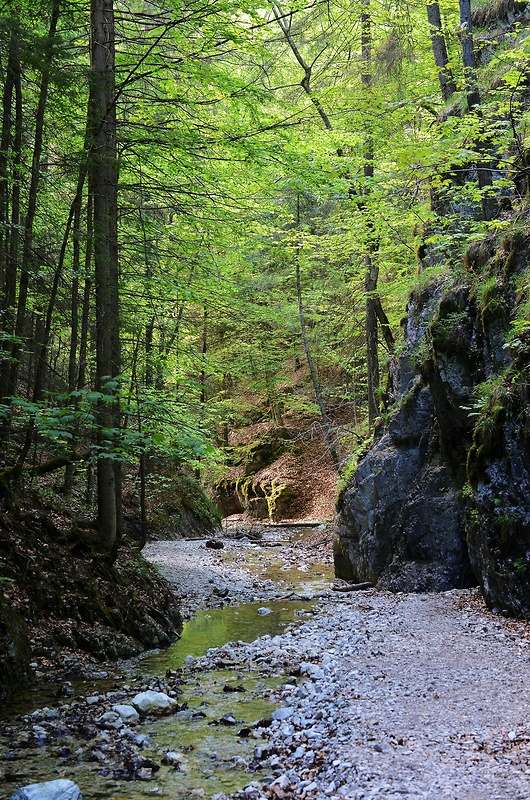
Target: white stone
x=153, y=702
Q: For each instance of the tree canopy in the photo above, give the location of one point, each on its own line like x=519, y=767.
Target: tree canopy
x=197, y=197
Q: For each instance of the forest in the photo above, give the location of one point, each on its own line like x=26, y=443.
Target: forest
x=212, y=215
x=264, y=370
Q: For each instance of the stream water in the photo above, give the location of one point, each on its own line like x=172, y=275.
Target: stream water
x=214, y=756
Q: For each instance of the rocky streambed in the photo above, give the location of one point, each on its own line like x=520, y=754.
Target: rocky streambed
x=346, y=695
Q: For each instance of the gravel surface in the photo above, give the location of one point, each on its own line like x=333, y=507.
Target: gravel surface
x=409, y=696
x=210, y=578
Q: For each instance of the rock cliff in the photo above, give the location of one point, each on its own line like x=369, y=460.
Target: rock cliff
x=442, y=497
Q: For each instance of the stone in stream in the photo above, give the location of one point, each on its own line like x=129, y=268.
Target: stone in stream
x=151, y=702
x=126, y=712
x=51, y=790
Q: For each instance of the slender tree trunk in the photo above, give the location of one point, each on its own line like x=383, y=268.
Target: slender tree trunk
x=5, y=141
x=104, y=186
x=371, y=270
x=328, y=432
x=27, y=249
x=439, y=49
x=87, y=293
x=489, y=203
x=10, y=218
x=374, y=309
x=284, y=21
x=468, y=56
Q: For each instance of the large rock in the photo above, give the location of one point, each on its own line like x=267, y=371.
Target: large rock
x=151, y=702
x=441, y=498
x=400, y=521
x=51, y=790
x=498, y=521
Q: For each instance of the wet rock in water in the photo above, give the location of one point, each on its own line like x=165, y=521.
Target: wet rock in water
x=110, y=720
x=214, y=544
x=151, y=702
x=51, y=790
x=127, y=713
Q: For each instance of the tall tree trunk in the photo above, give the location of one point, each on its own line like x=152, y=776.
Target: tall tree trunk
x=374, y=309
x=10, y=218
x=328, y=432
x=439, y=49
x=468, y=56
x=27, y=249
x=103, y=167
x=284, y=21
x=490, y=207
x=371, y=270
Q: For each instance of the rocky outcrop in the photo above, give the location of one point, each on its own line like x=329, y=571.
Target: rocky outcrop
x=254, y=490
x=178, y=508
x=442, y=497
x=400, y=522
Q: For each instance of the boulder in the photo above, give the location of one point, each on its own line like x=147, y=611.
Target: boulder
x=151, y=702
x=51, y=790
x=400, y=521
x=440, y=499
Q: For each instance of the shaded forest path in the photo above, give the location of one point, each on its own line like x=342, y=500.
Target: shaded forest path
x=409, y=696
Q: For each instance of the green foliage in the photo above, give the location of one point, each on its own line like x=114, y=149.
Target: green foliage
x=230, y=182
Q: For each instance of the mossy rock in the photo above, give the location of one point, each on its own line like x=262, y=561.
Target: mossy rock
x=180, y=506
x=265, y=451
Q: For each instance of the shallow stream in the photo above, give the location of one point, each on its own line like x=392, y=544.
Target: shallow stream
x=214, y=756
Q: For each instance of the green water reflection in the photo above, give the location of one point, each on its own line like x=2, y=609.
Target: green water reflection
x=214, y=754
x=218, y=626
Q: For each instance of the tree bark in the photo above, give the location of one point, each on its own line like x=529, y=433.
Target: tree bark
x=439, y=49
x=27, y=249
x=103, y=167
x=490, y=207
x=10, y=217
x=371, y=270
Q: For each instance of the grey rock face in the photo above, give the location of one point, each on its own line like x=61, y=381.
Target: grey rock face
x=400, y=522
x=403, y=522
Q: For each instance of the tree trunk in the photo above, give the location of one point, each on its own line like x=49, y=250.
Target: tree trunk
x=371, y=271
x=490, y=207
x=10, y=218
x=27, y=249
x=468, y=56
x=439, y=49
x=103, y=167
x=328, y=432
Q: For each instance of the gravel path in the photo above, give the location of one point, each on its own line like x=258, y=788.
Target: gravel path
x=409, y=696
